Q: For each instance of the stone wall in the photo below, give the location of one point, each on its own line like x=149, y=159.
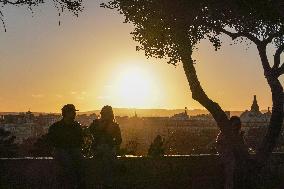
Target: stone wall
x=196, y=172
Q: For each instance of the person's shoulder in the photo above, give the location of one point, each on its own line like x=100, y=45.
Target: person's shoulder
x=115, y=125
x=95, y=126
x=55, y=125
x=95, y=123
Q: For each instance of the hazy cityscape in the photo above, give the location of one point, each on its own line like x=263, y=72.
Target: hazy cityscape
x=184, y=134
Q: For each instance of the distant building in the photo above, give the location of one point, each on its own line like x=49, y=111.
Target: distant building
x=181, y=116
x=202, y=117
x=254, y=117
x=26, y=125
x=19, y=118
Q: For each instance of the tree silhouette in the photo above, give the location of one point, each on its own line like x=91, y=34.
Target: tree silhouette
x=172, y=29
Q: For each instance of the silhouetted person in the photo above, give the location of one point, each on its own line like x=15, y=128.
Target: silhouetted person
x=233, y=157
x=106, y=141
x=66, y=137
x=156, y=148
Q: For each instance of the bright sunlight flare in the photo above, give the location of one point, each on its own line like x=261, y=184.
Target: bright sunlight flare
x=134, y=88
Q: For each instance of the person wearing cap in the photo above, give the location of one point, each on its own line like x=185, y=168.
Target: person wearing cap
x=66, y=138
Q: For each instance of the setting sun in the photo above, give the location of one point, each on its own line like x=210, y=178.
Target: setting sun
x=133, y=87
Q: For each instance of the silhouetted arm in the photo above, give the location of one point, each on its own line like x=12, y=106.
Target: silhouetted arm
x=51, y=136
x=80, y=136
x=118, y=139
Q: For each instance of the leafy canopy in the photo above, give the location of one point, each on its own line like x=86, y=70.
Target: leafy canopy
x=74, y=6
x=162, y=27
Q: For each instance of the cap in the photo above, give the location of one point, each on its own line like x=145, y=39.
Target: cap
x=68, y=107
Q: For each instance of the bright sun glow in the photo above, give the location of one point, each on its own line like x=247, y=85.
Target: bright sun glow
x=133, y=88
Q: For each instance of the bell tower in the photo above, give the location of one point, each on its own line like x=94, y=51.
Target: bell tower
x=254, y=106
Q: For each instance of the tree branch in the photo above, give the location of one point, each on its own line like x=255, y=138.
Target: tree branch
x=281, y=69
x=276, y=120
x=198, y=93
x=264, y=60
x=277, y=56
x=241, y=34
x=272, y=36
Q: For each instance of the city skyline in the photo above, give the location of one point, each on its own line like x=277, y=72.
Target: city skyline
x=91, y=61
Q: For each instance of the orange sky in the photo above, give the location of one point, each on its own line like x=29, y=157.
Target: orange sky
x=91, y=61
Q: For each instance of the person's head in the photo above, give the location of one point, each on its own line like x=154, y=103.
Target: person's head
x=158, y=138
x=69, y=112
x=236, y=123
x=107, y=113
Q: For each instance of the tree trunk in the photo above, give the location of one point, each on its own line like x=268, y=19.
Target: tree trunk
x=276, y=120
x=199, y=95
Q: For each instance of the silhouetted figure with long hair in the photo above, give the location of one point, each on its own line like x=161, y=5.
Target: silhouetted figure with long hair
x=106, y=141
x=233, y=157
x=66, y=137
x=156, y=148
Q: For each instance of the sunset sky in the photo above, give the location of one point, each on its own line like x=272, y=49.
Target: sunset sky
x=91, y=61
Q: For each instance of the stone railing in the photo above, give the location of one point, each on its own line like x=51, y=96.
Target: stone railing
x=196, y=172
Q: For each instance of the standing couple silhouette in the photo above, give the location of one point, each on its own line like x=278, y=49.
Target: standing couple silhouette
x=66, y=138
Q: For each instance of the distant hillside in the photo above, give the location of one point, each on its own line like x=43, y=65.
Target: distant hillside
x=35, y=113
x=144, y=112
x=156, y=112
x=163, y=112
